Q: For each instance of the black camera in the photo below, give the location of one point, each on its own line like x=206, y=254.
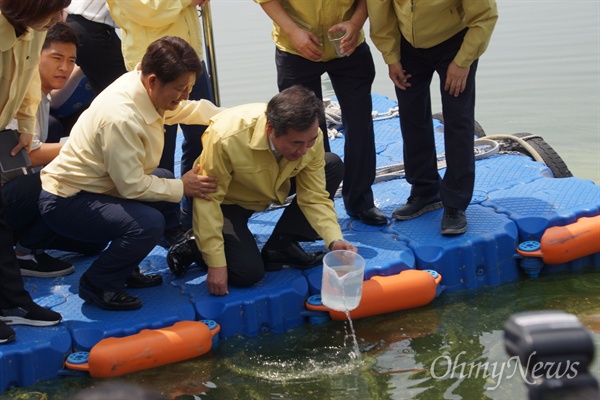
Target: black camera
x=555, y=351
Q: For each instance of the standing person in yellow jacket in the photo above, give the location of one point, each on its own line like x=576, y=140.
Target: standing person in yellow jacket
x=303, y=54
x=418, y=38
x=254, y=151
x=105, y=186
x=23, y=26
x=144, y=21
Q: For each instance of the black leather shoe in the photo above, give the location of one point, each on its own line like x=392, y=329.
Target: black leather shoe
x=372, y=216
x=171, y=236
x=416, y=206
x=7, y=334
x=183, y=253
x=454, y=222
x=137, y=280
x=107, y=299
x=292, y=255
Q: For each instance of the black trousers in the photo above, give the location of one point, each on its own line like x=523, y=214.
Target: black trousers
x=132, y=227
x=12, y=289
x=414, y=104
x=99, y=52
x=245, y=266
x=30, y=232
x=352, y=78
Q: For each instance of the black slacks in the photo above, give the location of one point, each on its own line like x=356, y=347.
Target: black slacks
x=414, y=104
x=245, y=266
x=12, y=289
x=352, y=78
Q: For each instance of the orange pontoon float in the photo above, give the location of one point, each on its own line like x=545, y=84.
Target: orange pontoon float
x=383, y=294
x=147, y=349
x=561, y=244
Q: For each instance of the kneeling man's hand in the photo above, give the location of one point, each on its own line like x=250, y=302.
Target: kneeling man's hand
x=343, y=245
x=216, y=280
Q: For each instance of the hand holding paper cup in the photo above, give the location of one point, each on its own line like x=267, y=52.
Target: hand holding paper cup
x=335, y=34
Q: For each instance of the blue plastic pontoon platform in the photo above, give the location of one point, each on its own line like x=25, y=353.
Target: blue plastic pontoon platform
x=516, y=199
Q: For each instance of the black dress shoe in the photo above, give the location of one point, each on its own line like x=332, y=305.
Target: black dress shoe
x=292, y=255
x=183, y=253
x=137, y=280
x=107, y=299
x=372, y=216
x=171, y=236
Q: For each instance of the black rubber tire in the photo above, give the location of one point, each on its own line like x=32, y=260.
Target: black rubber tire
x=479, y=132
x=551, y=158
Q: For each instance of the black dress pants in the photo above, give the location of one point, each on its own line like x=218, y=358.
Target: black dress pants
x=99, y=52
x=351, y=78
x=414, y=104
x=12, y=289
x=245, y=266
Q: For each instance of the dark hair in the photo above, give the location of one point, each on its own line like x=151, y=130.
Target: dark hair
x=170, y=57
x=24, y=13
x=61, y=33
x=295, y=107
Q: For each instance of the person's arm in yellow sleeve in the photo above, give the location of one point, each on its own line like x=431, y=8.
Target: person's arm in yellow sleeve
x=207, y=215
x=480, y=17
x=26, y=115
x=305, y=42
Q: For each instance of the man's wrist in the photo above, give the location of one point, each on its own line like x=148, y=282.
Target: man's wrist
x=332, y=243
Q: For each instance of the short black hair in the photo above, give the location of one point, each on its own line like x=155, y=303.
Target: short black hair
x=61, y=33
x=295, y=107
x=169, y=58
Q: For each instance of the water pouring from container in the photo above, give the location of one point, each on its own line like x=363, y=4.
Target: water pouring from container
x=343, y=274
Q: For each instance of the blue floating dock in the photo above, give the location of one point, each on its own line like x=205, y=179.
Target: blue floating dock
x=516, y=199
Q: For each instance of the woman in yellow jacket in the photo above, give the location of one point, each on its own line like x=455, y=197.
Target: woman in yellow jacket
x=23, y=26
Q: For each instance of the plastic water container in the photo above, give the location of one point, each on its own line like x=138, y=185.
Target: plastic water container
x=343, y=274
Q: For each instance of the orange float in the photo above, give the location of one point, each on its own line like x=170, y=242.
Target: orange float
x=383, y=294
x=560, y=244
x=147, y=349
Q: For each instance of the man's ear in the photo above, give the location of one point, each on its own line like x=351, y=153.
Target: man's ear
x=152, y=81
x=269, y=127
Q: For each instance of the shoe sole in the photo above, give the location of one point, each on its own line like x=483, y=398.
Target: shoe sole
x=431, y=207
x=352, y=215
x=90, y=298
x=25, y=321
x=53, y=274
x=8, y=339
x=453, y=231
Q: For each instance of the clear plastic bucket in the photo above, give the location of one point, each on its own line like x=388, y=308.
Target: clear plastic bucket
x=343, y=274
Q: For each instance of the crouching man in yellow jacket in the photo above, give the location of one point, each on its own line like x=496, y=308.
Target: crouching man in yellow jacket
x=105, y=185
x=260, y=154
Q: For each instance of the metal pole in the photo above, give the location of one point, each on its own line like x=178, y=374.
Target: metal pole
x=210, y=47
